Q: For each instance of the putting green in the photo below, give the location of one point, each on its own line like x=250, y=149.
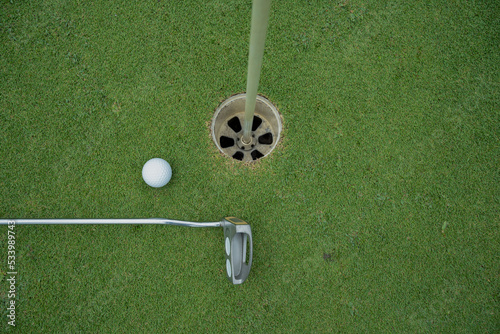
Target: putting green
x=377, y=211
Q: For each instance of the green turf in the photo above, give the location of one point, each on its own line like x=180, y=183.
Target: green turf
x=378, y=212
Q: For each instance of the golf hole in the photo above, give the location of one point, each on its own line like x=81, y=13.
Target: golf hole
x=227, y=126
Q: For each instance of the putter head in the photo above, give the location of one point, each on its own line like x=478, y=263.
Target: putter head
x=237, y=235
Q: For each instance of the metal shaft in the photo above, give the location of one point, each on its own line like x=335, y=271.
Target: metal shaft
x=260, y=19
x=108, y=221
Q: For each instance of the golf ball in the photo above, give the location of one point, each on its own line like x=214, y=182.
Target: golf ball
x=156, y=172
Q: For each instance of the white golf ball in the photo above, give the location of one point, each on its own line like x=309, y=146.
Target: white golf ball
x=156, y=172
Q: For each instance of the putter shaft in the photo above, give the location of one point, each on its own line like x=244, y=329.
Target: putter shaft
x=158, y=221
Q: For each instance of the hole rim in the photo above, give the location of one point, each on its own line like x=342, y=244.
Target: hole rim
x=264, y=109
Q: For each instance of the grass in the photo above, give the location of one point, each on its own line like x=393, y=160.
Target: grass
x=378, y=212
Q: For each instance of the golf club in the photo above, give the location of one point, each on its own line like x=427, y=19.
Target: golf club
x=237, y=235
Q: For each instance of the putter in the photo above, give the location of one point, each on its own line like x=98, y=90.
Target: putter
x=237, y=235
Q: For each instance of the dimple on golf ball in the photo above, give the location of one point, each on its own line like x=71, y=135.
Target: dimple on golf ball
x=156, y=172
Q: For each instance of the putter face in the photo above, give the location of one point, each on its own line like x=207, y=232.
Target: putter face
x=237, y=235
